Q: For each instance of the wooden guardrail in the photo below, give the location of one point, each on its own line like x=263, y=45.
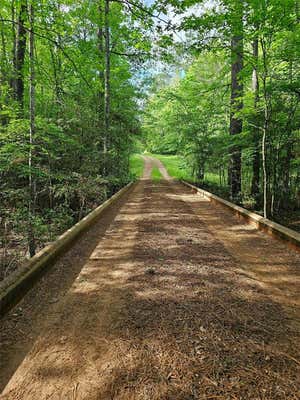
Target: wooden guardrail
x=14, y=288
x=291, y=237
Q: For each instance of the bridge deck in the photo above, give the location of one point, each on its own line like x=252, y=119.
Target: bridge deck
x=176, y=299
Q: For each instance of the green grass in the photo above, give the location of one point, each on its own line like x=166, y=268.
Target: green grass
x=156, y=174
x=211, y=177
x=136, y=165
x=175, y=166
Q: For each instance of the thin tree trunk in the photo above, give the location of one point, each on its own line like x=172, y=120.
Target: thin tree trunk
x=265, y=129
x=3, y=74
x=101, y=105
x=107, y=83
x=58, y=91
x=286, y=176
x=3, y=56
x=265, y=178
x=287, y=169
x=32, y=185
x=256, y=133
x=14, y=40
x=236, y=124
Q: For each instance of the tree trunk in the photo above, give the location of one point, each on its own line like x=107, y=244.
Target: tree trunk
x=3, y=75
x=3, y=57
x=14, y=43
x=19, y=57
x=106, y=83
x=101, y=104
x=56, y=64
x=32, y=184
x=265, y=128
x=297, y=10
x=256, y=133
x=287, y=169
x=265, y=177
x=236, y=124
x=286, y=172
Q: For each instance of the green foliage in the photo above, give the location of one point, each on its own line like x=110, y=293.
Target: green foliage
x=178, y=120
x=156, y=174
x=136, y=165
x=69, y=171
x=190, y=115
x=176, y=166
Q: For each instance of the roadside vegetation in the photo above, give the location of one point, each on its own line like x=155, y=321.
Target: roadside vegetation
x=69, y=114
x=176, y=166
x=136, y=166
x=232, y=111
x=156, y=175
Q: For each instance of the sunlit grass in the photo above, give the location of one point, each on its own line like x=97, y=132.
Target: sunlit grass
x=156, y=174
x=211, y=177
x=136, y=165
x=176, y=166
x=179, y=169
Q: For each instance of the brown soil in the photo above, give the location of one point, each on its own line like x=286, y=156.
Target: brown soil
x=178, y=300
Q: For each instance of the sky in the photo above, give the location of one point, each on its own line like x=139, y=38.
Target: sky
x=197, y=10
x=158, y=67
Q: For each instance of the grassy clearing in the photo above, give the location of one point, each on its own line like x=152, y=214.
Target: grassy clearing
x=136, y=165
x=178, y=169
x=175, y=166
x=156, y=174
x=211, y=177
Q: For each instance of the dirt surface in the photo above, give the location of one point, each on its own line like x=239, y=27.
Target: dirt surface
x=20, y=328
x=176, y=300
x=150, y=163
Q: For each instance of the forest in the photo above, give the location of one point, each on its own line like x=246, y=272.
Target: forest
x=233, y=109
x=69, y=114
x=85, y=85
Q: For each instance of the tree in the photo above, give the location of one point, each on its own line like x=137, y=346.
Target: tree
x=71, y=77
x=32, y=184
x=19, y=49
x=236, y=98
x=257, y=40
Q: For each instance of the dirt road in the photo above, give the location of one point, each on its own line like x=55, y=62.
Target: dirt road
x=176, y=299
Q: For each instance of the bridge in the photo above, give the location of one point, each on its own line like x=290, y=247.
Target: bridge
x=167, y=296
